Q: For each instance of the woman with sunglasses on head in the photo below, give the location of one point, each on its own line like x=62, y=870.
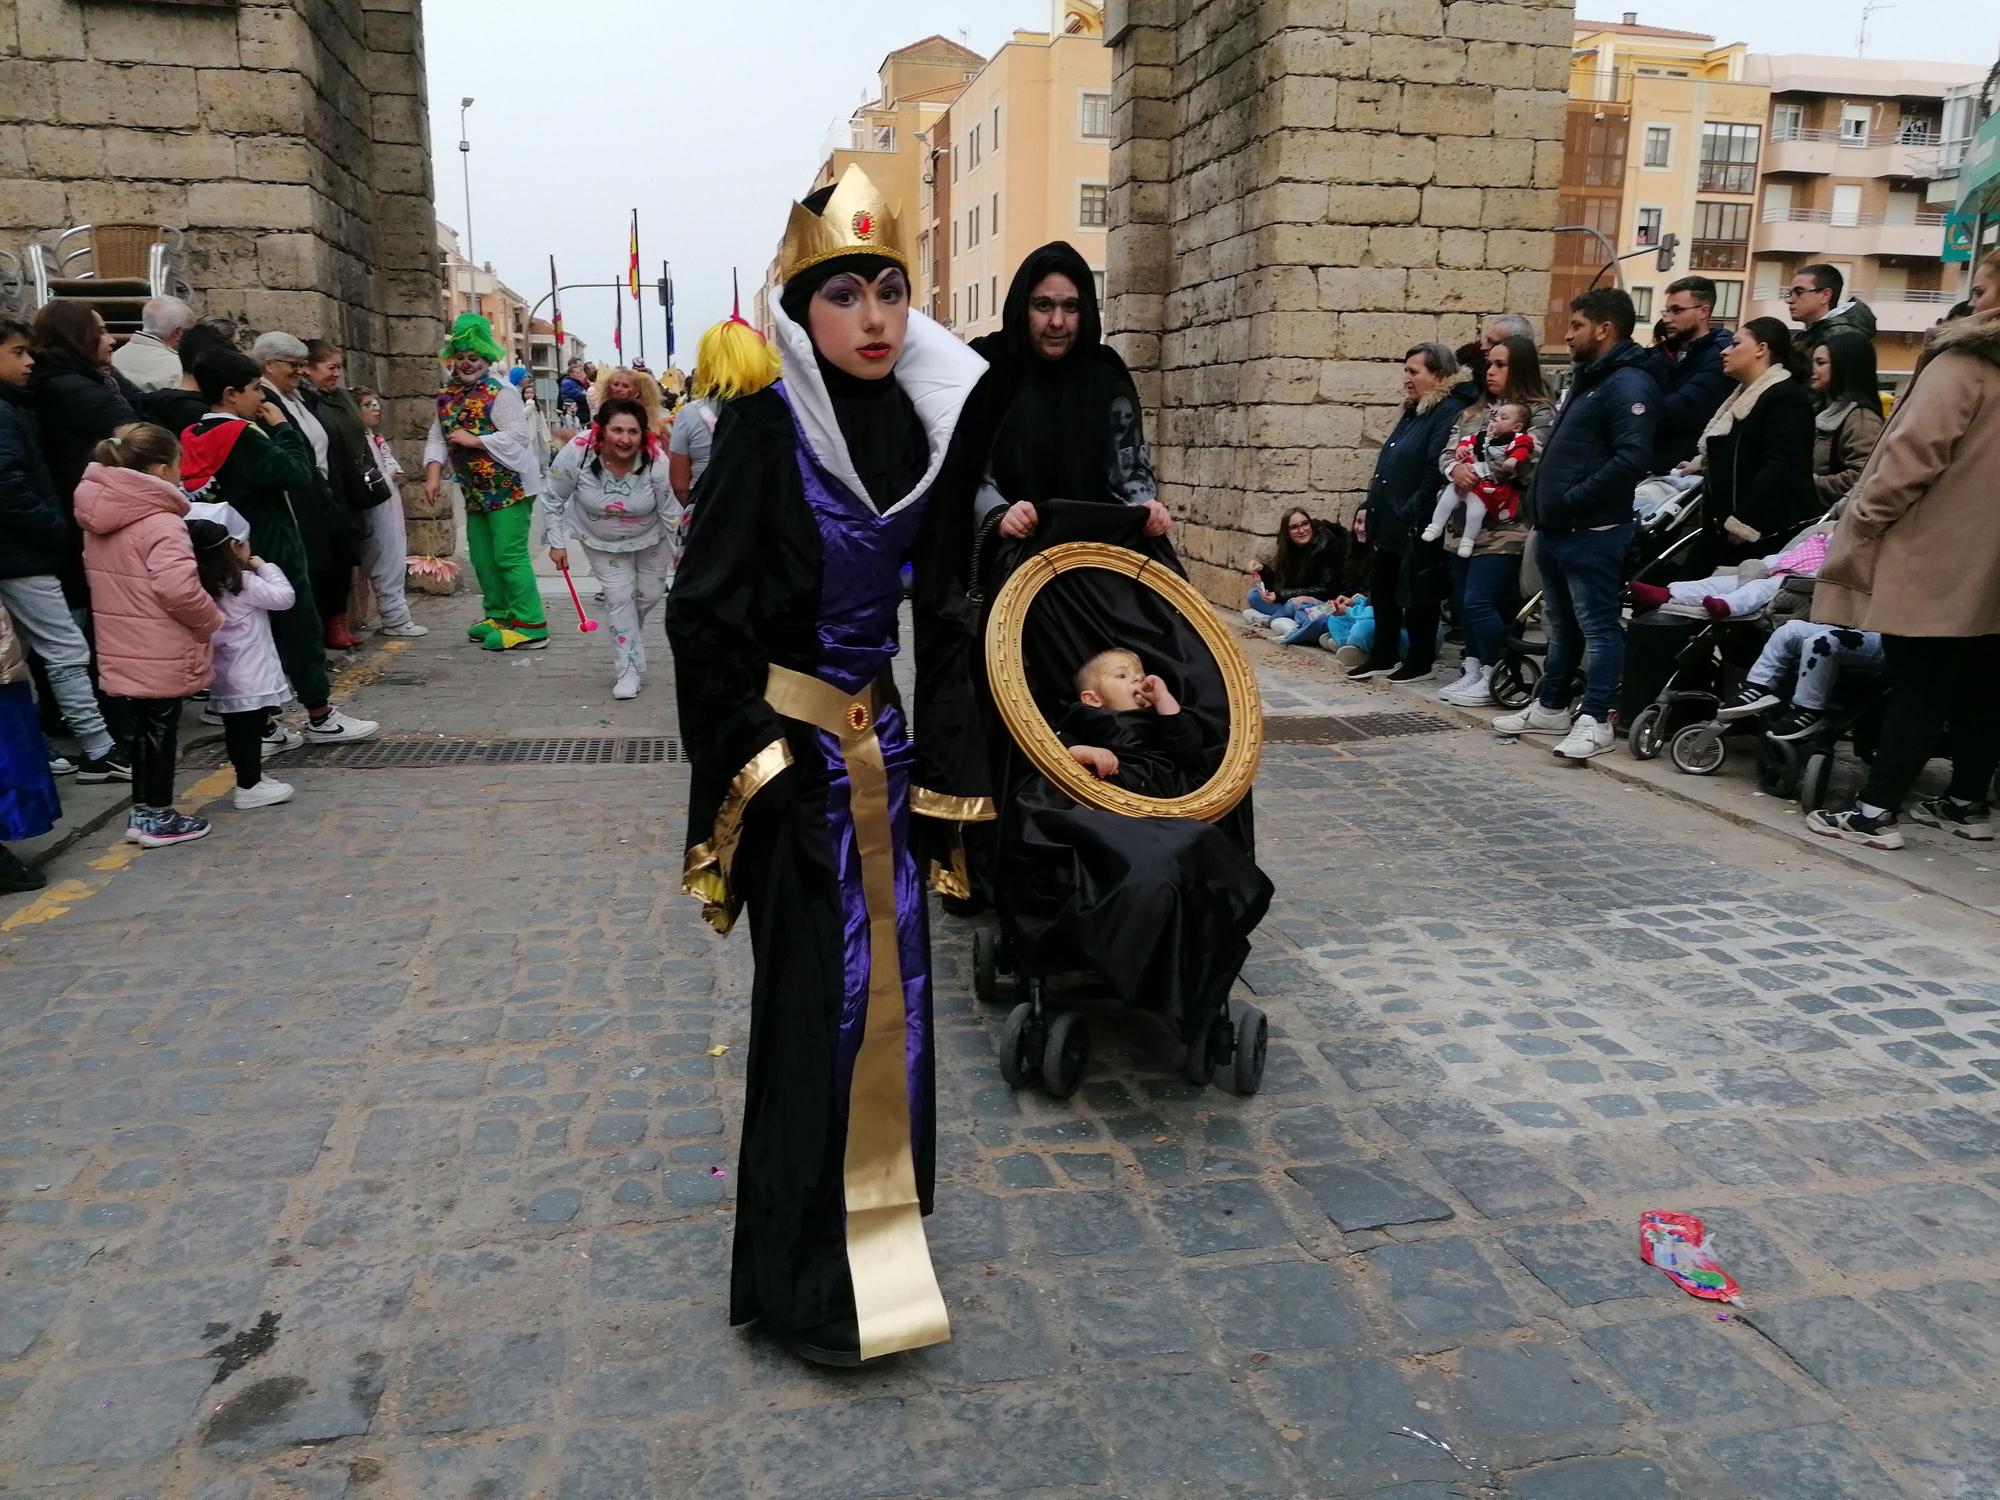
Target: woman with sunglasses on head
x=783, y=622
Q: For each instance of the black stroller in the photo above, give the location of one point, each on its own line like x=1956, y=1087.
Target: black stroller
x=1101, y=890
x=1668, y=514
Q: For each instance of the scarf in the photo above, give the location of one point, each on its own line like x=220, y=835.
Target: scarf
x=1740, y=401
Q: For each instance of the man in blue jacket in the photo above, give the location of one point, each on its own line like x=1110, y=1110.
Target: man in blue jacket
x=34, y=546
x=1687, y=361
x=1580, y=505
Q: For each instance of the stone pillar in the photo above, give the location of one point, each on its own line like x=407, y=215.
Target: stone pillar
x=288, y=141
x=1302, y=189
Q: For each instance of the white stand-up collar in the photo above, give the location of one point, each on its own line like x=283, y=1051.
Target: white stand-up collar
x=935, y=370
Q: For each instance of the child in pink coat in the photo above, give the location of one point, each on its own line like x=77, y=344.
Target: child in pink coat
x=152, y=615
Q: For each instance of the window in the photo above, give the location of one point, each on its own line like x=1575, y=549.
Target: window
x=1788, y=122
x=1721, y=237
x=1854, y=122
x=1649, y=226
x=993, y=219
x=1600, y=144
x=1642, y=302
x=993, y=292
x=883, y=137
x=954, y=166
x=996, y=127
x=972, y=303
x=972, y=228
x=1729, y=158
x=974, y=147
x=1846, y=205
x=1093, y=209
x=1728, y=301
x=954, y=307
x=1098, y=277
x=954, y=236
x=1659, y=146
x=1096, y=116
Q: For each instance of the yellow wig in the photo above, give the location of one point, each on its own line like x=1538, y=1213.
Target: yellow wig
x=649, y=394
x=733, y=360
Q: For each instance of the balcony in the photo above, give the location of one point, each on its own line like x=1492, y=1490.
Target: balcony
x=1901, y=311
x=1824, y=231
x=1921, y=154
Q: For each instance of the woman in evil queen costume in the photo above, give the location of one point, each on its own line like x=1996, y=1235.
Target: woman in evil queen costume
x=783, y=622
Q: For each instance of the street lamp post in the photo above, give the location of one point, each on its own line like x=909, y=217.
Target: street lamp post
x=465, y=166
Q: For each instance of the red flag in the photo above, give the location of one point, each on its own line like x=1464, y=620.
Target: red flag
x=555, y=298
x=632, y=273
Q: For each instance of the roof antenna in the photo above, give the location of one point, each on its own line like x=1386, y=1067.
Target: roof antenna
x=1868, y=9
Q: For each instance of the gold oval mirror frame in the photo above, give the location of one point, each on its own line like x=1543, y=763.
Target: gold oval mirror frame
x=1007, y=672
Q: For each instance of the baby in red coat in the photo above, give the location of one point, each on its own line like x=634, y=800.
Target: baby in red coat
x=1497, y=456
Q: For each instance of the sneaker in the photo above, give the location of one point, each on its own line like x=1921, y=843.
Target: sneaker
x=278, y=739
x=61, y=765
x=1431, y=532
x=1465, y=548
x=478, y=630
x=1968, y=820
x=1795, y=724
x=1474, y=693
x=112, y=765
x=1749, y=701
x=507, y=638
x=336, y=728
x=1368, y=667
x=1586, y=738
x=1534, y=719
x=268, y=792
x=157, y=827
x=210, y=716
x=1344, y=656
x=1256, y=621
x=627, y=685
x=410, y=630
x=1404, y=672
x=1855, y=826
x=1467, y=670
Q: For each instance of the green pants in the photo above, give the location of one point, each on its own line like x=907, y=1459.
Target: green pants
x=498, y=542
x=296, y=632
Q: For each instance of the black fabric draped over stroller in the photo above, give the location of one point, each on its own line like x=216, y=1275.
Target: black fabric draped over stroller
x=1159, y=909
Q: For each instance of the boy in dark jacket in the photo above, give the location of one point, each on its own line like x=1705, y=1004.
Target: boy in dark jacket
x=228, y=457
x=1581, y=507
x=35, y=547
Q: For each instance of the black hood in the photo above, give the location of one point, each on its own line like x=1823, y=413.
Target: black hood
x=1059, y=258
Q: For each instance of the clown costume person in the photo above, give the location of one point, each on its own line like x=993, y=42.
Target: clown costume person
x=483, y=433
x=783, y=623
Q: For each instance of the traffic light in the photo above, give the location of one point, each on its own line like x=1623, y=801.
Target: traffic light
x=1669, y=243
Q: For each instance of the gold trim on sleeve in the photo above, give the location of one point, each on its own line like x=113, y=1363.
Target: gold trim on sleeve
x=929, y=804
x=1007, y=669
x=705, y=872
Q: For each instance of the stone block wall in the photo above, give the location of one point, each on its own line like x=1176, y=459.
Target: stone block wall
x=1300, y=191
x=289, y=140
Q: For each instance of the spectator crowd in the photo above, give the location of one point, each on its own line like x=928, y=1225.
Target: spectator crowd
x=1713, y=476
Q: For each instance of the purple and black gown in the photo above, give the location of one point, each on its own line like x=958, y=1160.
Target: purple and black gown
x=783, y=623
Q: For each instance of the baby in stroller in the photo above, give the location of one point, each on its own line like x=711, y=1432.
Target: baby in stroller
x=1158, y=748
x=1740, y=591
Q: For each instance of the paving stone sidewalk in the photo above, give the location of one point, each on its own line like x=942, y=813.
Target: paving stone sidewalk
x=379, y=1146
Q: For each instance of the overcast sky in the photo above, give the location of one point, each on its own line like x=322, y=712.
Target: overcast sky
x=710, y=117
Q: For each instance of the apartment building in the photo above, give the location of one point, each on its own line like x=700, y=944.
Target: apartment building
x=1663, y=135
x=1857, y=173
x=479, y=289
x=1025, y=159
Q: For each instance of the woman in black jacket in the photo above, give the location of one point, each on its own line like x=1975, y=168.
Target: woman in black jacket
x=1756, y=453
x=1308, y=566
x=79, y=401
x=1402, y=492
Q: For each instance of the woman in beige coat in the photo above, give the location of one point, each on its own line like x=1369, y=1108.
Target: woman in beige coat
x=1916, y=557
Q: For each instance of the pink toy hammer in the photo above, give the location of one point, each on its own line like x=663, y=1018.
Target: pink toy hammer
x=583, y=621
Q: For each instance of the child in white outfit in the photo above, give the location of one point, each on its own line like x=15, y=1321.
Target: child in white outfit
x=1496, y=456
x=1743, y=590
x=249, y=679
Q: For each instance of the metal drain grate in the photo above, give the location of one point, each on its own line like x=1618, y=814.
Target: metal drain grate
x=447, y=752
x=1316, y=729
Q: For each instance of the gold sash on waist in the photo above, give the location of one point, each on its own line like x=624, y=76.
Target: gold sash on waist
x=897, y=1304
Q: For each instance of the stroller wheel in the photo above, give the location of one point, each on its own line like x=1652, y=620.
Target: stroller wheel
x=986, y=965
x=1199, y=1065
x=1253, y=1036
x=1779, y=763
x=1066, y=1054
x=1698, y=749
x=1649, y=731
x=1515, y=678
x=1021, y=1047
x=1813, y=781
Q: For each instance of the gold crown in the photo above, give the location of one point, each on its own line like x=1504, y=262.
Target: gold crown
x=857, y=220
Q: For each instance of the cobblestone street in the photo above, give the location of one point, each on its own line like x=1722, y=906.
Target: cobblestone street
x=382, y=1145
